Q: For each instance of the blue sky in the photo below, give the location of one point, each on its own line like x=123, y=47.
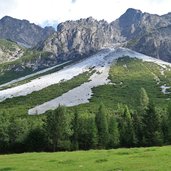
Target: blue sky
x=54, y=11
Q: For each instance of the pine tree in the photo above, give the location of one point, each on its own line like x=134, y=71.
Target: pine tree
x=169, y=123
x=138, y=128
x=4, y=136
x=102, y=127
x=127, y=136
x=151, y=126
x=87, y=133
x=113, y=132
x=58, y=128
x=75, y=127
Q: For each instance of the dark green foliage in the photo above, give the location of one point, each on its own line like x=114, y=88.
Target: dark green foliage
x=151, y=126
x=58, y=128
x=18, y=130
x=138, y=128
x=102, y=127
x=87, y=133
x=113, y=133
x=127, y=136
x=169, y=123
x=75, y=128
x=4, y=136
x=36, y=140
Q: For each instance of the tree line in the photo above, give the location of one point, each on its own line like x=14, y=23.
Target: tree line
x=60, y=130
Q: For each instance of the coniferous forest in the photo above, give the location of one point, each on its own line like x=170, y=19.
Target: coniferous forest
x=64, y=130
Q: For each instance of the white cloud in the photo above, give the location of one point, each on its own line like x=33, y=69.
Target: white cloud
x=39, y=11
x=6, y=6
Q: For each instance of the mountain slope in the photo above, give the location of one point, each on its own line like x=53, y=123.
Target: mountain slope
x=23, y=32
x=157, y=43
x=106, y=81
x=9, y=51
x=76, y=39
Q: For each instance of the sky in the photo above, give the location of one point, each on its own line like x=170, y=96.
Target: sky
x=51, y=12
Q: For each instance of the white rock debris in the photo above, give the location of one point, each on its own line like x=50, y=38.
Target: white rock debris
x=101, y=62
x=125, y=66
x=164, y=89
x=32, y=75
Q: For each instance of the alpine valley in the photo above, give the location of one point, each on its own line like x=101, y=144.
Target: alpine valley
x=112, y=77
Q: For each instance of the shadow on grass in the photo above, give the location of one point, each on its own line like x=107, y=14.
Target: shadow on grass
x=7, y=169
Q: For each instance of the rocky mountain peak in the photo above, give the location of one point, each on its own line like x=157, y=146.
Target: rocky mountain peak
x=23, y=32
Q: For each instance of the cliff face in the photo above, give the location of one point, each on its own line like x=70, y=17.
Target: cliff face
x=143, y=32
x=74, y=39
x=23, y=32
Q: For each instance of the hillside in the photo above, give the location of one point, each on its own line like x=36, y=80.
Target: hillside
x=106, y=78
x=135, y=159
x=9, y=51
x=146, y=33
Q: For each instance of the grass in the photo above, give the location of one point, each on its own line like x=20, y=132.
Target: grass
x=127, y=82
x=127, y=75
x=135, y=159
x=20, y=105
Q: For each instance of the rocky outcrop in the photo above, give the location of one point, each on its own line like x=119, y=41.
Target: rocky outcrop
x=23, y=32
x=75, y=39
x=156, y=44
x=134, y=24
x=10, y=51
x=140, y=31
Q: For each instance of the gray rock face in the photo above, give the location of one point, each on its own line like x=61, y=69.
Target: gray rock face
x=146, y=33
x=9, y=51
x=156, y=44
x=75, y=39
x=23, y=32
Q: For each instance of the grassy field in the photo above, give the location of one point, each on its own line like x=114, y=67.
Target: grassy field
x=135, y=159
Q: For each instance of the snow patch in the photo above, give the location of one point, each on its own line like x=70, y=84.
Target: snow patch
x=100, y=62
x=164, y=89
x=125, y=66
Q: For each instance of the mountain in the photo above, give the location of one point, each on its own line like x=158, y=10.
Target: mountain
x=75, y=39
x=146, y=33
x=23, y=32
x=134, y=23
x=134, y=29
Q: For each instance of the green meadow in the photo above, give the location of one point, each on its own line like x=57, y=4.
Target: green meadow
x=134, y=159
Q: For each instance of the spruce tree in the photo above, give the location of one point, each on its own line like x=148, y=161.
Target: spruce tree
x=4, y=134
x=113, y=132
x=138, y=128
x=102, y=127
x=87, y=133
x=151, y=126
x=75, y=128
x=58, y=128
x=127, y=136
x=169, y=123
